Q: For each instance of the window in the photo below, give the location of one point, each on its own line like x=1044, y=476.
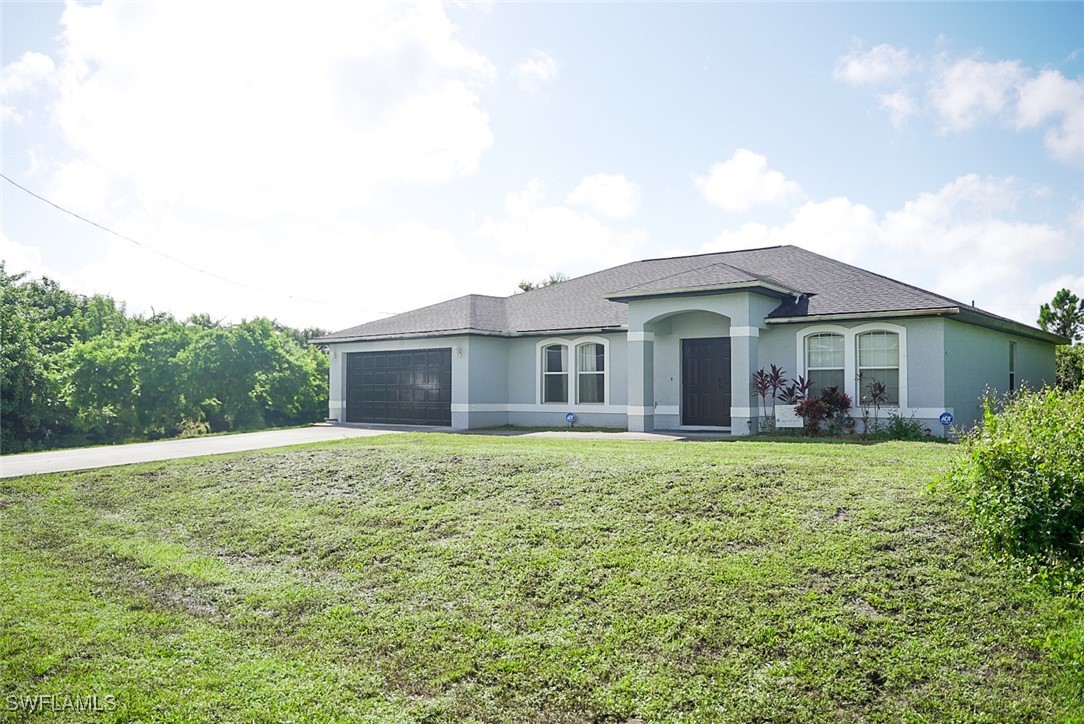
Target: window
x=1012, y=366
x=824, y=362
x=591, y=373
x=879, y=361
x=555, y=373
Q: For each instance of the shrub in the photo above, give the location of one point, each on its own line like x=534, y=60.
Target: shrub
x=1069, y=361
x=1023, y=479
x=904, y=428
x=812, y=410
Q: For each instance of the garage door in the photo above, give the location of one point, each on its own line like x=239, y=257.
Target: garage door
x=406, y=387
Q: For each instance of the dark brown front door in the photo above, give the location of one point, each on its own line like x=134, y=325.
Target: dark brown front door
x=705, y=381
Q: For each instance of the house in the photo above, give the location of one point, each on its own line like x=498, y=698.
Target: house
x=673, y=344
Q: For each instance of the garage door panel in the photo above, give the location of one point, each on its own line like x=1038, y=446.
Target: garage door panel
x=401, y=387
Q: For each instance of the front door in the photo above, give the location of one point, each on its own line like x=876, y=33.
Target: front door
x=705, y=382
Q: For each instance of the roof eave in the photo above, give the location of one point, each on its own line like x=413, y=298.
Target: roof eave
x=968, y=316
x=846, y=316
x=977, y=317
x=478, y=332
x=410, y=335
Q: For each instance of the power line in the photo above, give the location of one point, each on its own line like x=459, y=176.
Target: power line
x=184, y=263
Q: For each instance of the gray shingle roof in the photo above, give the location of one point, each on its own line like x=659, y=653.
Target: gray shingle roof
x=827, y=287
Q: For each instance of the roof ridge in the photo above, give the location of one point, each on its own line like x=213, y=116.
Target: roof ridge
x=687, y=271
x=711, y=253
x=764, y=277
x=868, y=273
x=520, y=295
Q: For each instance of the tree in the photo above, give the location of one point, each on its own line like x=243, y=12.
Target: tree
x=555, y=278
x=76, y=370
x=1069, y=361
x=1064, y=316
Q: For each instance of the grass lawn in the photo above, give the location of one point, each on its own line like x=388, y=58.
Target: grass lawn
x=441, y=577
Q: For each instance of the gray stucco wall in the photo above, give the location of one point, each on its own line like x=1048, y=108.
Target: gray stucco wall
x=524, y=406
x=923, y=346
x=668, y=335
x=664, y=322
x=977, y=358
x=495, y=380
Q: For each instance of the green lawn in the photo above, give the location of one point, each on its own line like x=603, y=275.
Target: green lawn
x=441, y=577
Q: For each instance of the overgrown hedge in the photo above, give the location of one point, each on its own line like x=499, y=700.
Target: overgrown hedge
x=79, y=370
x=1022, y=478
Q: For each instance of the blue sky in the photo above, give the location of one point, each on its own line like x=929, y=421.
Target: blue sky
x=379, y=158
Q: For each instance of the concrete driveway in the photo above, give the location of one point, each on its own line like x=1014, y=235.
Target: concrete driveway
x=56, y=461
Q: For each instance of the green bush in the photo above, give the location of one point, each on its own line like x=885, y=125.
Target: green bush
x=1070, y=366
x=1022, y=478
x=904, y=428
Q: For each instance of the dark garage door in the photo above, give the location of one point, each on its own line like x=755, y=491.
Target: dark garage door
x=406, y=387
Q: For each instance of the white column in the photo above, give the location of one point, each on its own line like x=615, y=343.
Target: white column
x=641, y=361
x=743, y=363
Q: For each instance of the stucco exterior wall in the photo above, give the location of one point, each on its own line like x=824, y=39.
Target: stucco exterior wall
x=945, y=366
x=524, y=405
x=667, y=373
x=977, y=358
x=657, y=326
x=922, y=371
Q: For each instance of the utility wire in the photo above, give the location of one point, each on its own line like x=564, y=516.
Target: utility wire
x=185, y=263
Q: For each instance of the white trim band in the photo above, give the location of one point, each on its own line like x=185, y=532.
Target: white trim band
x=745, y=331
x=555, y=407
x=641, y=337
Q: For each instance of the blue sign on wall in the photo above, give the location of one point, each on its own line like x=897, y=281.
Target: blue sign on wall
x=946, y=418
x=570, y=418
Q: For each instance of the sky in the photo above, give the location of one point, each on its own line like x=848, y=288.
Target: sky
x=329, y=163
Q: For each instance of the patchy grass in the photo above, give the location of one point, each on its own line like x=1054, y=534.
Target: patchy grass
x=439, y=577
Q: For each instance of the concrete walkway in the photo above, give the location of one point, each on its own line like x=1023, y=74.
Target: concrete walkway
x=56, y=461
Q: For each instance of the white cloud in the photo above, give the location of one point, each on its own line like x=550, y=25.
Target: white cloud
x=1050, y=96
x=900, y=107
x=370, y=259
x=610, y=194
x=24, y=76
x=880, y=64
x=368, y=94
x=745, y=181
x=19, y=258
x=836, y=227
x=957, y=241
x=1045, y=292
x=201, y=132
x=539, y=68
x=542, y=233
x=965, y=91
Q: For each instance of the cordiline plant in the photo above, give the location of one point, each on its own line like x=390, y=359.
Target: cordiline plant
x=768, y=385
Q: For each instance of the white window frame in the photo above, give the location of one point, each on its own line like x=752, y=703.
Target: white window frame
x=842, y=367
x=573, y=372
x=605, y=369
x=898, y=367
x=541, y=373
x=850, y=355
